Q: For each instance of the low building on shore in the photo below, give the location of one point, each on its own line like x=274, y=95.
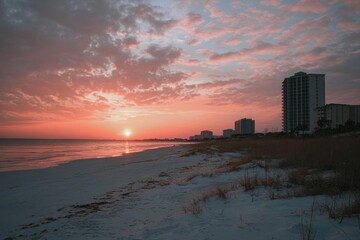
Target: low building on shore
x=205, y=134
x=337, y=115
x=245, y=126
x=195, y=137
x=228, y=133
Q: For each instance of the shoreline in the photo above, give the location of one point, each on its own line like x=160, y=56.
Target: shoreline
x=63, y=162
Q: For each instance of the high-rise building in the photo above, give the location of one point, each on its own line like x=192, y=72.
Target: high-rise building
x=301, y=95
x=245, y=126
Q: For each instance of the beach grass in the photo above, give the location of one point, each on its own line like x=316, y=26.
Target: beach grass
x=340, y=155
x=319, y=165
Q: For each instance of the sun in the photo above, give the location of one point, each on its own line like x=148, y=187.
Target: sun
x=127, y=132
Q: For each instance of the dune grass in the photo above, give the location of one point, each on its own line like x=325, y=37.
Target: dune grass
x=306, y=158
x=341, y=155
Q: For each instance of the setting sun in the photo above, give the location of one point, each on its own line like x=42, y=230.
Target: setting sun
x=127, y=132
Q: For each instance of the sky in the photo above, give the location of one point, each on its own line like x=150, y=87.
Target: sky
x=166, y=69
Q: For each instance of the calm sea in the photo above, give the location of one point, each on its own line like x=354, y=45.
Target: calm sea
x=21, y=154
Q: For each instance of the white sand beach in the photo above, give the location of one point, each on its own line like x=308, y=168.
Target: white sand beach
x=149, y=195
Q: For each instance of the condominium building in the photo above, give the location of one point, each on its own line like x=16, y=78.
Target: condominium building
x=206, y=134
x=301, y=95
x=337, y=115
x=355, y=113
x=227, y=133
x=245, y=126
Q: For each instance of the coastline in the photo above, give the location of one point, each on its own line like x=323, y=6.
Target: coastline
x=181, y=192
x=41, y=153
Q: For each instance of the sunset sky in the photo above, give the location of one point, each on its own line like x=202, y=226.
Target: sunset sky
x=166, y=68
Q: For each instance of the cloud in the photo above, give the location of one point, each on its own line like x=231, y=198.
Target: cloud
x=271, y=2
x=307, y=6
x=194, y=42
x=191, y=22
x=190, y=62
x=351, y=4
x=230, y=42
x=258, y=47
x=214, y=11
x=220, y=84
x=130, y=42
x=346, y=20
x=310, y=31
x=257, y=91
x=194, y=24
x=55, y=53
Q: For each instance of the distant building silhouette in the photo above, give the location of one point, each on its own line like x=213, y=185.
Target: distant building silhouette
x=227, y=133
x=206, y=134
x=245, y=126
x=301, y=94
x=337, y=115
x=195, y=137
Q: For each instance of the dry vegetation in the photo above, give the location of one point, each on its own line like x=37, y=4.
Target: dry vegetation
x=306, y=158
x=341, y=155
x=220, y=192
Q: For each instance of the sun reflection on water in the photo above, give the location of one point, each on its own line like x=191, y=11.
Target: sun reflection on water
x=126, y=148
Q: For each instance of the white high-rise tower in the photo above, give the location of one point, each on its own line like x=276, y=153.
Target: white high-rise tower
x=301, y=94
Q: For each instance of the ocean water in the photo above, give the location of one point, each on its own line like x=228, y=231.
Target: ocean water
x=22, y=154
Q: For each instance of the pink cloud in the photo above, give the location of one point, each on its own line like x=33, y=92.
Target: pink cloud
x=153, y=96
x=194, y=24
x=214, y=11
x=191, y=22
x=257, y=90
x=230, y=42
x=194, y=42
x=311, y=30
x=220, y=84
x=351, y=4
x=130, y=42
x=212, y=32
x=224, y=57
x=346, y=21
x=53, y=72
x=307, y=6
x=253, y=23
x=271, y=2
x=205, y=51
x=258, y=47
x=190, y=62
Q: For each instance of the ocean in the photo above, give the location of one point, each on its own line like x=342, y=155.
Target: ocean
x=24, y=154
